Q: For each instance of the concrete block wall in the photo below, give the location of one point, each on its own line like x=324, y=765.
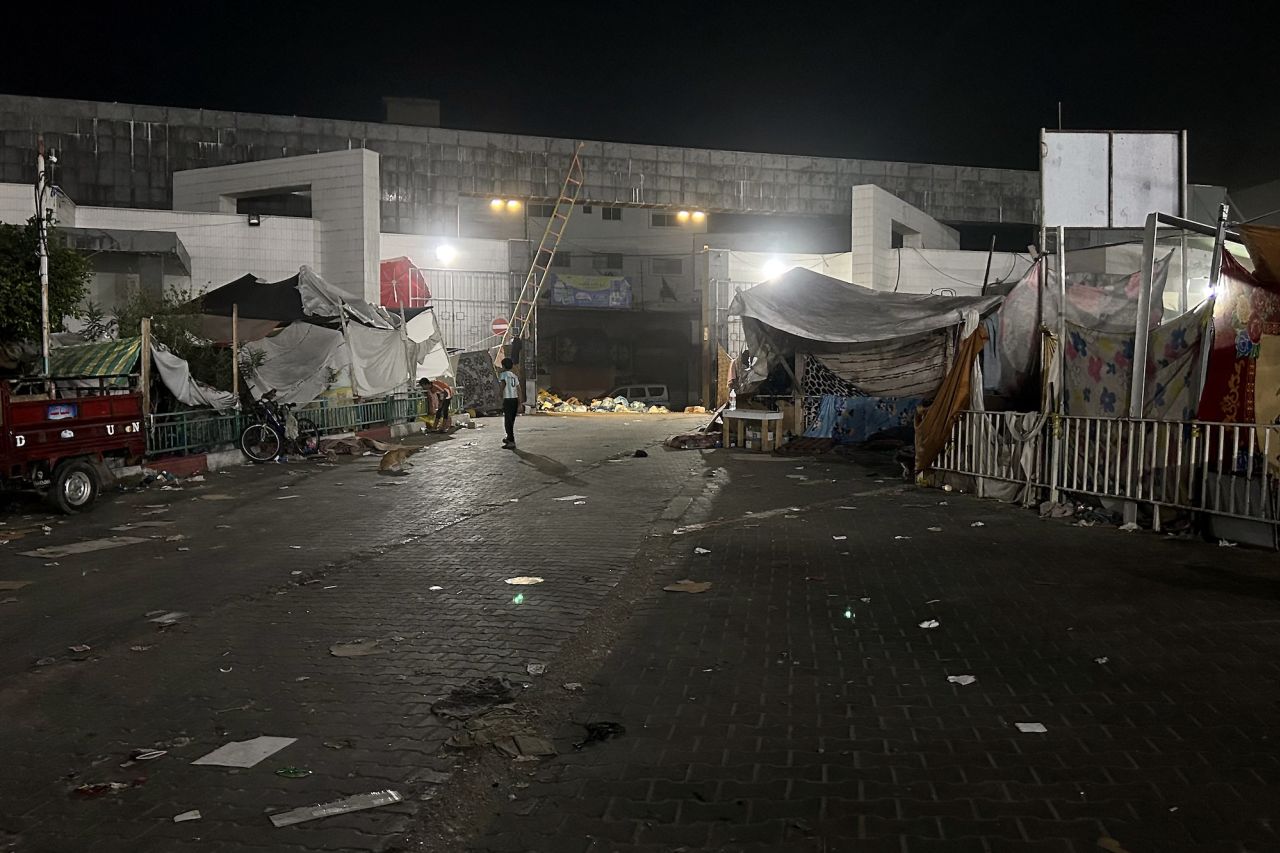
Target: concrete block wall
x=344, y=205
x=123, y=154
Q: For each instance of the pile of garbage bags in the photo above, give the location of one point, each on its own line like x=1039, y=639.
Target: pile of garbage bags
x=548, y=402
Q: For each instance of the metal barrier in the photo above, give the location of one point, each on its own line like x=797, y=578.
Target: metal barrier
x=202, y=430
x=1225, y=469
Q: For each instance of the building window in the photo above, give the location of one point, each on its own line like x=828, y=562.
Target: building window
x=663, y=220
x=542, y=211
x=586, y=208
x=668, y=266
x=561, y=260
x=611, y=214
x=612, y=262
x=895, y=240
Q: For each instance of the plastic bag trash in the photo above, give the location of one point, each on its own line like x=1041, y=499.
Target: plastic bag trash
x=97, y=789
x=702, y=550
x=961, y=679
x=902, y=537
x=846, y=507
x=929, y=623
x=79, y=649
x=1129, y=526
x=687, y=585
x=357, y=803
x=1037, y=728
x=536, y=669
x=839, y=538
x=578, y=503
x=523, y=581
x=935, y=529
x=434, y=588
x=570, y=498
x=293, y=772
x=1226, y=543
x=173, y=617
x=1101, y=660
x=194, y=814
x=978, y=524
x=600, y=732
x=356, y=648
x=245, y=753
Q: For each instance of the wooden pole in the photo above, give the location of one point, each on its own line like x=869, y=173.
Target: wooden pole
x=235, y=352
x=145, y=354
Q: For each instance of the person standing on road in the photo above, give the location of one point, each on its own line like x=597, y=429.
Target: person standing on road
x=510, y=401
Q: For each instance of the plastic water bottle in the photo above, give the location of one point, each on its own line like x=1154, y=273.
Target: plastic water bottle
x=733, y=400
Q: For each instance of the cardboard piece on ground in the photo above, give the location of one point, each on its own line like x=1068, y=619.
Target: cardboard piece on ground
x=245, y=753
x=687, y=585
x=85, y=547
x=194, y=814
x=357, y=803
x=10, y=586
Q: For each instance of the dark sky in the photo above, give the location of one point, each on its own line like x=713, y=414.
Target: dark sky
x=967, y=83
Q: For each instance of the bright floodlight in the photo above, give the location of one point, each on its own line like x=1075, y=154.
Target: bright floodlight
x=446, y=253
x=683, y=216
x=497, y=204
x=698, y=216
x=772, y=268
x=513, y=205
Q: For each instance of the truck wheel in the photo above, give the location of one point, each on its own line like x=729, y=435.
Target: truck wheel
x=75, y=486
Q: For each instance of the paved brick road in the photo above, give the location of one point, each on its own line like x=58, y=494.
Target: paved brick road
x=799, y=706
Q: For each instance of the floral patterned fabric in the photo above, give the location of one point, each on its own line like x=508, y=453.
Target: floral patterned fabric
x=1247, y=310
x=851, y=420
x=1099, y=369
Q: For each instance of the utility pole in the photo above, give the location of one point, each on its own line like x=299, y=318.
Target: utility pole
x=43, y=230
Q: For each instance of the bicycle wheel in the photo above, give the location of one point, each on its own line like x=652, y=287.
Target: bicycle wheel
x=308, y=439
x=260, y=442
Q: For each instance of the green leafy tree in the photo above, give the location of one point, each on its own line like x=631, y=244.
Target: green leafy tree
x=69, y=274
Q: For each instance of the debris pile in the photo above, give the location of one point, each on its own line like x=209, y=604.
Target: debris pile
x=549, y=402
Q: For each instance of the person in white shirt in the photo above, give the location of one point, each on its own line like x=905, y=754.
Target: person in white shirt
x=510, y=401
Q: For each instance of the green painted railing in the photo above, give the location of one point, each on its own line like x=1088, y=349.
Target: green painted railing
x=204, y=430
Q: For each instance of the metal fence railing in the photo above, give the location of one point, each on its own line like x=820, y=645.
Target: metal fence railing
x=1226, y=469
x=203, y=430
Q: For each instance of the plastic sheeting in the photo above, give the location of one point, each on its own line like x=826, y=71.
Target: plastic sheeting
x=816, y=307
x=297, y=363
x=433, y=358
x=379, y=360
x=176, y=375
x=908, y=367
x=323, y=301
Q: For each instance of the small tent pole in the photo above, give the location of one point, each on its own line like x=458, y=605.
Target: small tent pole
x=146, y=368
x=235, y=352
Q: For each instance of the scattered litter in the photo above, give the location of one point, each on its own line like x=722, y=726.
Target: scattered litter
x=139, y=648
x=839, y=538
x=124, y=528
x=572, y=686
x=194, y=814
x=85, y=547
x=473, y=698
x=183, y=548
x=978, y=524
x=702, y=550
x=943, y=503
x=570, y=498
x=687, y=585
x=641, y=454
x=47, y=661
x=80, y=649
x=1049, y=509
x=523, y=581
x=224, y=669
x=165, y=619
x=434, y=588
x=287, y=497
x=536, y=669
x=432, y=777
x=245, y=753
x=865, y=600
x=578, y=503
x=1102, y=660
x=1129, y=526
x=356, y=648
x=902, y=537
x=961, y=679
x=601, y=731
x=296, y=547
x=933, y=601
x=293, y=772
x=935, y=529
x=679, y=531
x=929, y=623
x=330, y=586
x=97, y=789
x=1226, y=543
x=339, y=744
x=147, y=754
x=9, y=600
x=348, y=804
x=1032, y=728
x=13, y=586
x=847, y=507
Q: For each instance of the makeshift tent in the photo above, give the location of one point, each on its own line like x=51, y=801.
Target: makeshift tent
x=302, y=297
x=861, y=342
x=297, y=363
x=176, y=375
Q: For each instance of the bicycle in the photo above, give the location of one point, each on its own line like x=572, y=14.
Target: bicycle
x=278, y=432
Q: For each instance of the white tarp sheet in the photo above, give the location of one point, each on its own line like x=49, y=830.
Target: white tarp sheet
x=321, y=299
x=379, y=360
x=297, y=362
x=433, y=358
x=177, y=377
x=816, y=307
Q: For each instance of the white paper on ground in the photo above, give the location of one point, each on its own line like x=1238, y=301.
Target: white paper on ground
x=929, y=623
x=245, y=753
x=961, y=679
x=1031, y=727
x=194, y=814
x=702, y=550
x=571, y=498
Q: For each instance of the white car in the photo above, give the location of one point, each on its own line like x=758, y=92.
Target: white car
x=653, y=395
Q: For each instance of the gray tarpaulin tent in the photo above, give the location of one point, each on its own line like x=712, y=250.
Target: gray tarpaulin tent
x=887, y=344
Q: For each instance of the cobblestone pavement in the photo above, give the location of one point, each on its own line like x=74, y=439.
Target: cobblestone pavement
x=309, y=556
x=804, y=703
x=798, y=704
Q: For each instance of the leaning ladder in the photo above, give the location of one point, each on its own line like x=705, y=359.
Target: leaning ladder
x=532, y=287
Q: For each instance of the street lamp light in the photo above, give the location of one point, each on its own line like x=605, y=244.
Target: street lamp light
x=446, y=254
x=513, y=205
x=496, y=204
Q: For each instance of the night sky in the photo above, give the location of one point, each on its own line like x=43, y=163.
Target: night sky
x=963, y=83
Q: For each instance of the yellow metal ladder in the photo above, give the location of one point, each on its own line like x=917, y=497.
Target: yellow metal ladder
x=527, y=301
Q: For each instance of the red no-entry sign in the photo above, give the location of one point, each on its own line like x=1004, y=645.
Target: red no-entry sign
x=499, y=326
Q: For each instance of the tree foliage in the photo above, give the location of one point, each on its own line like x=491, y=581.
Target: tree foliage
x=69, y=274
